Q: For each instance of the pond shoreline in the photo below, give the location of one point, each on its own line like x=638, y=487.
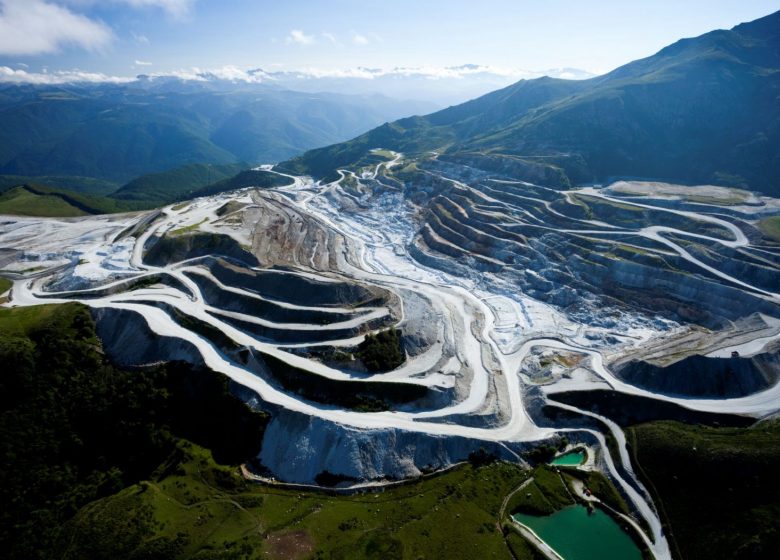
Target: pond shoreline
x=570, y=519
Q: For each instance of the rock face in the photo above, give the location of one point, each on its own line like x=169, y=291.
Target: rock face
x=700, y=376
x=128, y=341
x=168, y=249
x=297, y=448
x=628, y=410
x=285, y=237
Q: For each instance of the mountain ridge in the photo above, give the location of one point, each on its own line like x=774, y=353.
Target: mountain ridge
x=702, y=110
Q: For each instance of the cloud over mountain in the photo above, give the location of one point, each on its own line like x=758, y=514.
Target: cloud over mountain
x=33, y=27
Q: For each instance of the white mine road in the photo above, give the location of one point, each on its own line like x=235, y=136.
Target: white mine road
x=486, y=336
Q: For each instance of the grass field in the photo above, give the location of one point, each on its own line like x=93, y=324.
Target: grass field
x=545, y=495
x=521, y=548
x=188, y=229
x=770, y=227
x=387, y=154
x=205, y=510
x=716, y=488
x=21, y=202
x=19, y=321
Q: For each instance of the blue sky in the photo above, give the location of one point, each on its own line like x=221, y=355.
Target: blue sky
x=128, y=37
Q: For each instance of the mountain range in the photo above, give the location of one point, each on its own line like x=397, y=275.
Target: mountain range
x=702, y=110
x=120, y=131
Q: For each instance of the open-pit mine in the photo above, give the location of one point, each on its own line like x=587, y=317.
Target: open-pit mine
x=513, y=301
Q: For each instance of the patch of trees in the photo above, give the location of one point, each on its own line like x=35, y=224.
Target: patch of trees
x=73, y=428
x=546, y=452
x=717, y=486
x=382, y=351
x=327, y=478
x=482, y=457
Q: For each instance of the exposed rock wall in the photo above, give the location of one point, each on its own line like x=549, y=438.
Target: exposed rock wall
x=128, y=341
x=297, y=448
x=700, y=376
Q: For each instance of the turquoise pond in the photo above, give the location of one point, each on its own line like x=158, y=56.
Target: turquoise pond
x=576, y=534
x=569, y=459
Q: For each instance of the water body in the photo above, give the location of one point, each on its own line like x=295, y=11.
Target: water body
x=576, y=534
x=572, y=458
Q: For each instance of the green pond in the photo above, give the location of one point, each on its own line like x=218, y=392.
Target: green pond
x=576, y=534
x=570, y=459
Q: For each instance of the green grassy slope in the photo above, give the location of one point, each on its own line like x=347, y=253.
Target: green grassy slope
x=205, y=511
x=20, y=201
x=770, y=227
x=716, y=487
x=247, y=178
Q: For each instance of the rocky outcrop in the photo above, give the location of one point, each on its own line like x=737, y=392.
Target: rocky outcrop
x=129, y=342
x=700, y=376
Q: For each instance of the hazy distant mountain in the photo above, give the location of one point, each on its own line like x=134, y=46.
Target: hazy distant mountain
x=443, y=86
x=705, y=109
x=118, y=132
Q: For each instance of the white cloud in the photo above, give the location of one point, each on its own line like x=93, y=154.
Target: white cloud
x=299, y=37
x=228, y=73
x=237, y=74
x=30, y=27
x=231, y=73
x=359, y=39
x=9, y=75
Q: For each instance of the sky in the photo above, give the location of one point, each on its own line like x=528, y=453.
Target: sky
x=130, y=37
